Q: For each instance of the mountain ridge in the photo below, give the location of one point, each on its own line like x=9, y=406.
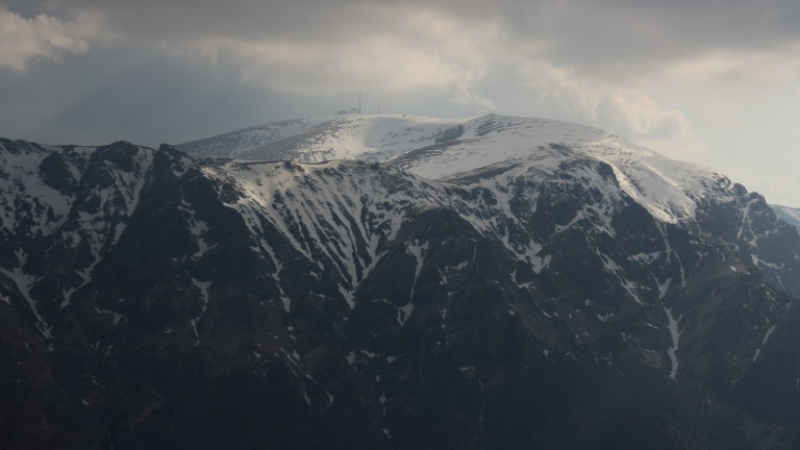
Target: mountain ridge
x=153, y=297
x=433, y=148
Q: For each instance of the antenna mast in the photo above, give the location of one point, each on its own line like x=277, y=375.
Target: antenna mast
x=359, y=102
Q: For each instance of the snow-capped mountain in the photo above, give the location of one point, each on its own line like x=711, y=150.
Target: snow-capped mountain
x=483, y=283
x=697, y=198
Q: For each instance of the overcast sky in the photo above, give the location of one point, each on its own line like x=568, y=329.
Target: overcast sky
x=715, y=82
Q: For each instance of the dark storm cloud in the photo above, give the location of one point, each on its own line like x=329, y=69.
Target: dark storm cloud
x=140, y=95
x=128, y=92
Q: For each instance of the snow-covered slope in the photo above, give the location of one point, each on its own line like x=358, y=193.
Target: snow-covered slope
x=330, y=137
x=666, y=188
x=447, y=149
x=494, y=150
x=235, y=142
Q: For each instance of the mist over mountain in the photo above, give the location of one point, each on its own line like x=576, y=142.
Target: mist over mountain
x=392, y=282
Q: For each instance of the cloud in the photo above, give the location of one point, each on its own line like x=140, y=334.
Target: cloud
x=42, y=37
x=637, y=112
x=314, y=47
x=397, y=49
x=722, y=107
x=605, y=104
x=615, y=36
x=779, y=65
x=626, y=110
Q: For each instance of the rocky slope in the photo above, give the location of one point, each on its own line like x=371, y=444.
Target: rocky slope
x=500, y=288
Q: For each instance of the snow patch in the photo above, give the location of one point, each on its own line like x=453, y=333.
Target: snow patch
x=203, y=287
x=116, y=317
x=763, y=342
x=675, y=334
x=404, y=313
x=24, y=283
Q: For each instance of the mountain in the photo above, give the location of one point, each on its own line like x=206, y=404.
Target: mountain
x=697, y=198
x=484, y=283
x=788, y=214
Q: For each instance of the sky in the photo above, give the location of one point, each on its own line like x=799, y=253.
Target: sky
x=715, y=82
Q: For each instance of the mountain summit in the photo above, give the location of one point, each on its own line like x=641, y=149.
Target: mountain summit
x=461, y=150
x=392, y=282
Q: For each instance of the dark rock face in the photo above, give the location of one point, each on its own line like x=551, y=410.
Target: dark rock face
x=155, y=299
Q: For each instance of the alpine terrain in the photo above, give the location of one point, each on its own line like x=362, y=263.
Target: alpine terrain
x=392, y=282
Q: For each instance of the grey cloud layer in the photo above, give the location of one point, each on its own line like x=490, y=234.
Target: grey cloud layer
x=581, y=31
x=570, y=55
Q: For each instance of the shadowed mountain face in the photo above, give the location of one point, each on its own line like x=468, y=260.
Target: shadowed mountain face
x=576, y=293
